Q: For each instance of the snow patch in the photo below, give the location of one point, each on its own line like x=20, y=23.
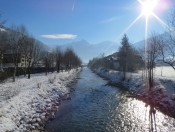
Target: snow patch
x=27, y=104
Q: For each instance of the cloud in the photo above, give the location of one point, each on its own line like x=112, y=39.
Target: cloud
x=109, y=20
x=59, y=36
x=73, y=6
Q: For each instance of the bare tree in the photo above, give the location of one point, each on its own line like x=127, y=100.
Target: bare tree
x=3, y=42
x=167, y=49
x=58, y=58
x=38, y=49
x=2, y=22
x=15, y=47
x=3, y=47
x=70, y=59
x=30, y=46
x=67, y=58
x=48, y=57
x=51, y=61
x=167, y=45
x=153, y=52
x=24, y=46
x=21, y=45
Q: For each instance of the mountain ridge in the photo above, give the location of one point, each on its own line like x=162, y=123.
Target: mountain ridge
x=87, y=51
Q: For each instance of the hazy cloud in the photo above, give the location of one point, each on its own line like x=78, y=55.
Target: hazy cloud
x=73, y=6
x=59, y=36
x=109, y=20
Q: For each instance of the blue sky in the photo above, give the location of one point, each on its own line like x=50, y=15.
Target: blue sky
x=91, y=20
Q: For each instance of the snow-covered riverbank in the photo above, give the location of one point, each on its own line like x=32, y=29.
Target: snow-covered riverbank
x=27, y=104
x=163, y=94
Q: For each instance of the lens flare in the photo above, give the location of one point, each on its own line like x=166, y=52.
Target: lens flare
x=148, y=7
x=132, y=23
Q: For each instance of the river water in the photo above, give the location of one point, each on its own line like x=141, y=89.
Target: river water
x=95, y=107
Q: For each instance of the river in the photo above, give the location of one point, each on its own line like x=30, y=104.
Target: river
x=96, y=107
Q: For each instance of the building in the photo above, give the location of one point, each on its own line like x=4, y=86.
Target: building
x=111, y=61
x=8, y=60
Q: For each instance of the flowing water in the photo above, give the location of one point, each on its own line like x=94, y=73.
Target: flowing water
x=95, y=107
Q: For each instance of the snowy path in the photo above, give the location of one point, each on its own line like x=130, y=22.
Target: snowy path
x=25, y=104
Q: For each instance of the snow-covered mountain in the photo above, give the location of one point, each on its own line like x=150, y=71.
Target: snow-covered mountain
x=87, y=51
x=165, y=36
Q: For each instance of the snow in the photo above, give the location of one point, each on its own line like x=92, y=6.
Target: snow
x=29, y=103
x=163, y=93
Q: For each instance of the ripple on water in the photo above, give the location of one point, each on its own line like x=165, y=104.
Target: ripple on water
x=96, y=107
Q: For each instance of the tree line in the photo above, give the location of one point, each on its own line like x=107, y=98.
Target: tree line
x=160, y=48
x=127, y=59
x=16, y=42
x=157, y=48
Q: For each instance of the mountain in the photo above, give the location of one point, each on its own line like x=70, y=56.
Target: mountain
x=165, y=36
x=87, y=51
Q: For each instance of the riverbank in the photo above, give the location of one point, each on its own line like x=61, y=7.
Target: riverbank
x=27, y=104
x=161, y=96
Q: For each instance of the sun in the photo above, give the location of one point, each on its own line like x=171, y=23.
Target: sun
x=148, y=7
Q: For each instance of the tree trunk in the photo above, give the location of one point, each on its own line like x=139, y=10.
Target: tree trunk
x=24, y=71
x=1, y=67
x=46, y=66
x=29, y=70
x=58, y=67
x=124, y=70
x=14, y=73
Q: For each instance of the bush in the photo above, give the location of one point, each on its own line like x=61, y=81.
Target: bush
x=3, y=75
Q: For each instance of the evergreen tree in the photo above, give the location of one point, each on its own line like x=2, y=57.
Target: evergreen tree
x=128, y=57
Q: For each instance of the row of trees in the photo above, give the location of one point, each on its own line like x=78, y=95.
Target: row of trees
x=159, y=48
x=61, y=59
x=17, y=42
x=98, y=62
x=127, y=59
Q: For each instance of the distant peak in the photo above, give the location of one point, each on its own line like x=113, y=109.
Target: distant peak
x=84, y=41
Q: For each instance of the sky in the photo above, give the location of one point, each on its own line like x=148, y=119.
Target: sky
x=62, y=21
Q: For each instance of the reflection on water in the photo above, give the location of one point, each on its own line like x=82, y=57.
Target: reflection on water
x=96, y=107
x=138, y=117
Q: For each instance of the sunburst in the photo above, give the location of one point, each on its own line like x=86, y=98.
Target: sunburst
x=148, y=7
x=148, y=10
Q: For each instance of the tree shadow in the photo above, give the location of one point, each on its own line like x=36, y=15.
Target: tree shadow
x=152, y=120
